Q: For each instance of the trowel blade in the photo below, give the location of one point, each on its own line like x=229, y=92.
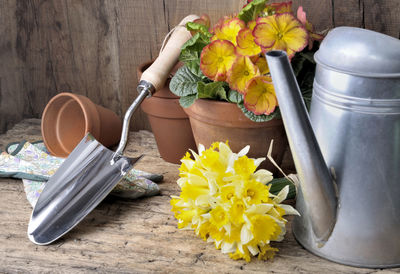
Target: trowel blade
x=84, y=179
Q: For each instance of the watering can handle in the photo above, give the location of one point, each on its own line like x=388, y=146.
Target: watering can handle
x=158, y=72
x=155, y=76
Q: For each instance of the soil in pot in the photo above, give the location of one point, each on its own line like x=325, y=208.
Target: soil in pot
x=213, y=121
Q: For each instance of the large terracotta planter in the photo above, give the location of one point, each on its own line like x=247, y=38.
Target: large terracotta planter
x=169, y=123
x=68, y=117
x=214, y=121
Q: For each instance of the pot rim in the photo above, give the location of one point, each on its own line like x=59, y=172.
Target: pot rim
x=216, y=112
x=87, y=108
x=167, y=108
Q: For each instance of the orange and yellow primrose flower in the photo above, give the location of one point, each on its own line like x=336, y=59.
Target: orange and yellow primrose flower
x=282, y=7
x=280, y=32
x=228, y=30
x=222, y=21
x=277, y=8
x=262, y=65
x=251, y=24
x=260, y=97
x=312, y=35
x=245, y=43
x=203, y=20
x=216, y=59
x=241, y=72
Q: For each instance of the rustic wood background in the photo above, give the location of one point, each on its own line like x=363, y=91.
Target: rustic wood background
x=94, y=47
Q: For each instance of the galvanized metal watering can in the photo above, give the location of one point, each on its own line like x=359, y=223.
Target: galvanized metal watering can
x=347, y=151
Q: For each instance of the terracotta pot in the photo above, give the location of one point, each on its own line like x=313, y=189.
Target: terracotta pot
x=68, y=117
x=169, y=123
x=214, y=121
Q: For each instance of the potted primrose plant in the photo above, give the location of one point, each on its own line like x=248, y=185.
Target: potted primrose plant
x=225, y=84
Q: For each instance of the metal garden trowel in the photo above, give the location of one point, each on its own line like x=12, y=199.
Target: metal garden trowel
x=91, y=170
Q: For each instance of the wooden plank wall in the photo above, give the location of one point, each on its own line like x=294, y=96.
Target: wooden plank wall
x=93, y=47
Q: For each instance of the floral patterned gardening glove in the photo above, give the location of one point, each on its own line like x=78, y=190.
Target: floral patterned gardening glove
x=34, y=165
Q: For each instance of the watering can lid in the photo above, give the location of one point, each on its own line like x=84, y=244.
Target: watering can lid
x=360, y=52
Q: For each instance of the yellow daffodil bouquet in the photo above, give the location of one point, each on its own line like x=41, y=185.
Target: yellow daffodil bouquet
x=227, y=62
x=226, y=201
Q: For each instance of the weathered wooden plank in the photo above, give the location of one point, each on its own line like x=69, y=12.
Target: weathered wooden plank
x=141, y=27
x=215, y=9
x=319, y=13
x=348, y=13
x=72, y=53
x=11, y=68
x=382, y=16
x=91, y=27
x=44, y=50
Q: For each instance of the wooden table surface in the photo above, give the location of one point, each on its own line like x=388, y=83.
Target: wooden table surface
x=130, y=236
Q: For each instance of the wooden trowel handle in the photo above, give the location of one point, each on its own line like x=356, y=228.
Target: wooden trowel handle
x=158, y=72
x=155, y=76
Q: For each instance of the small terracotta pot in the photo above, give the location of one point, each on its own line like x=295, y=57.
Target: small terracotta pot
x=169, y=123
x=214, y=121
x=68, y=117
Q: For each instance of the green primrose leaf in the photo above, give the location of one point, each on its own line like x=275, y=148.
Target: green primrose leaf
x=309, y=55
x=306, y=86
x=221, y=94
x=213, y=90
x=191, y=50
x=184, y=82
x=187, y=101
x=194, y=67
x=297, y=64
x=196, y=42
x=234, y=96
x=251, y=10
x=303, y=65
x=191, y=26
x=188, y=57
x=307, y=97
x=259, y=118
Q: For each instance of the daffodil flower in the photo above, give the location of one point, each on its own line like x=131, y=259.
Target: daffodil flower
x=266, y=252
x=241, y=217
x=216, y=59
x=237, y=209
x=219, y=217
x=241, y=72
x=244, y=166
x=280, y=32
x=260, y=97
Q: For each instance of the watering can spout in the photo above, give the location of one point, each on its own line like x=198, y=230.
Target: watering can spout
x=316, y=183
